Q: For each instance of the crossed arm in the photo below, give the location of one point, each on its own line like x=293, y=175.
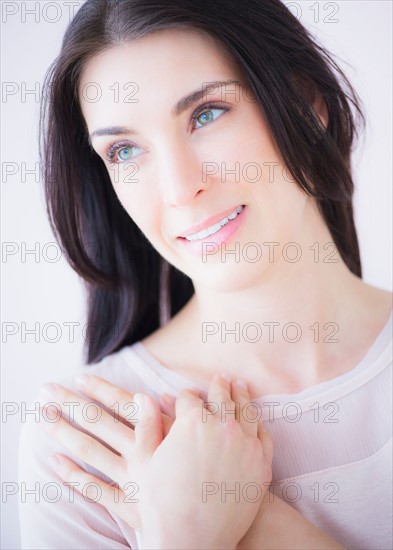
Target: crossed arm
x=171, y=454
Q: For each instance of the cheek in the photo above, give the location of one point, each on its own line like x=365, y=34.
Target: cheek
x=246, y=154
x=129, y=189
x=282, y=205
x=142, y=210
x=139, y=202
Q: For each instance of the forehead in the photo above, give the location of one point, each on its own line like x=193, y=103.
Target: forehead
x=155, y=69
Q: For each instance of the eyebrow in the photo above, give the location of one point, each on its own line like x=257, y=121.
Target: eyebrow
x=182, y=105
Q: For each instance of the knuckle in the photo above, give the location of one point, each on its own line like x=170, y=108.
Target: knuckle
x=193, y=415
x=231, y=425
x=84, y=449
x=221, y=397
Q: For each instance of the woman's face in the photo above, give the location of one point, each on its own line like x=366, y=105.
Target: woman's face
x=175, y=167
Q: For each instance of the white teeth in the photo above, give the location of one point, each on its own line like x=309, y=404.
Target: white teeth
x=216, y=227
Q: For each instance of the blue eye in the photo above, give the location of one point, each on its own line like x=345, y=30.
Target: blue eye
x=122, y=150
x=204, y=115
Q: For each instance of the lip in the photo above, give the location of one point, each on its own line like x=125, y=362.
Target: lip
x=207, y=223
x=211, y=244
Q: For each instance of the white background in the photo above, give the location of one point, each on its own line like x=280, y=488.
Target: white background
x=35, y=290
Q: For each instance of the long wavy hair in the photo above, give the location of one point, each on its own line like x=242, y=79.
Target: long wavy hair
x=131, y=289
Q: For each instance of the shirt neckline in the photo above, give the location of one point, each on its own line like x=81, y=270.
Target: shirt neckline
x=178, y=381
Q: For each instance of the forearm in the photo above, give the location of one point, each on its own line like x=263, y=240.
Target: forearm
x=279, y=526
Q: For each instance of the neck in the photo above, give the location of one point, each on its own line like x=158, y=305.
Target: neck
x=286, y=330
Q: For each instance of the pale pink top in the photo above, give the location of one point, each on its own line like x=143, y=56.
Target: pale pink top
x=333, y=455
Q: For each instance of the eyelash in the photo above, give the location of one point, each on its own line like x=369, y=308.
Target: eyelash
x=206, y=107
x=113, y=149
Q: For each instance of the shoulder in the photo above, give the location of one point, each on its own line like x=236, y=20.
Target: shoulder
x=375, y=294
x=375, y=305
x=118, y=368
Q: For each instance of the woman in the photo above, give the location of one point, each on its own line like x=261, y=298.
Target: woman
x=197, y=173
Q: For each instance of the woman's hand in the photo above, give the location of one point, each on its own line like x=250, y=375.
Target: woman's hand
x=201, y=486
x=114, y=427
x=122, y=454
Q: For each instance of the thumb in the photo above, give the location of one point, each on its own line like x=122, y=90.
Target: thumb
x=148, y=428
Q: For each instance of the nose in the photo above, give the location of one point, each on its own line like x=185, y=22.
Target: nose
x=180, y=173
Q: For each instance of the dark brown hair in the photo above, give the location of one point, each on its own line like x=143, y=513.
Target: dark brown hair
x=129, y=284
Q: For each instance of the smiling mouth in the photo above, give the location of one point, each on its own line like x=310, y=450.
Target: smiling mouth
x=211, y=230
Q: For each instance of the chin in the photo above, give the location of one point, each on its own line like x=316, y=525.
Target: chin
x=232, y=276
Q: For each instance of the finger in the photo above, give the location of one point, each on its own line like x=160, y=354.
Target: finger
x=91, y=417
x=118, y=400
x=91, y=487
x=186, y=400
x=219, y=396
x=81, y=444
x=167, y=403
x=115, y=398
x=149, y=428
x=167, y=422
x=244, y=408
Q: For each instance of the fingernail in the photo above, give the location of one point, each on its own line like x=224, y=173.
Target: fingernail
x=81, y=380
x=226, y=376
x=241, y=383
x=54, y=461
